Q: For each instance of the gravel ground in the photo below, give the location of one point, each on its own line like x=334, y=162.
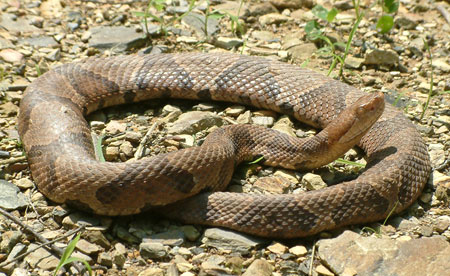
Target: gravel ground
x=38, y=35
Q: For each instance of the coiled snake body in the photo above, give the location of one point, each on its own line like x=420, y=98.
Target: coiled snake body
x=185, y=184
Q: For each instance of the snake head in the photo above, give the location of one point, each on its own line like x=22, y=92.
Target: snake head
x=370, y=107
x=359, y=117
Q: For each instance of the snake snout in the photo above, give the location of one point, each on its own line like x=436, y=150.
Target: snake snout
x=360, y=117
x=371, y=103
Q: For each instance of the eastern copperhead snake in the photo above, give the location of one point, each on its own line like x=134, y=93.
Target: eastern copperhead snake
x=60, y=152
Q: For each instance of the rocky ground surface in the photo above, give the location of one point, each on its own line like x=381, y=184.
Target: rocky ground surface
x=38, y=35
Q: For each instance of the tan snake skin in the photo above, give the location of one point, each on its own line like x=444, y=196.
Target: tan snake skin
x=184, y=184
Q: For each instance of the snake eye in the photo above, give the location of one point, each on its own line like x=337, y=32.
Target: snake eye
x=361, y=110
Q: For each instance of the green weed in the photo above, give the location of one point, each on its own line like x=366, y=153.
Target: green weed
x=236, y=27
x=386, y=21
x=244, y=44
x=210, y=15
x=377, y=231
x=2, y=73
x=67, y=259
x=314, y=32
x=257, y=160
x=430, y=91
x=351, y=163
x=160, y=5
x=356, y=6
x=38, y=70
x=98, y=141
x=3, y=85
x=397, y=99
x=347, y=45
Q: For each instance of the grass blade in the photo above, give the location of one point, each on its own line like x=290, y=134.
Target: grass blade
x=66, y=259
x=430, y=91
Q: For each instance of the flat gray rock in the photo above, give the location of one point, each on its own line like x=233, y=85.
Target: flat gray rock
x=230, y=240
x=259, y=267
x=118, y=38
x=196, y=21
x=152, y=250
x=406, y=23
x=381, y=57
x=39, y=41
x=303, y=51
x=232, y=7
x=372, y=256
x=16, y=251
x=194, y=121
x=170, y=238
x=41, y=258
x=10, y=196
x=5, y=44
x=14, y=23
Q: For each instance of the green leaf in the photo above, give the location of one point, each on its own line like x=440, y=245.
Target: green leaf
x=67, y=252
x=38, y=70
x=158, y=4
x=256, y=160
x=332, y=14
x=71, y=246
x=98, y=147
x=342, y=61
x=390, y=213
x=385, y=23
x=370, y=229
x=233, y=17
x=159, y=7
x=390, y=6
x=191, y=5
x=312, y=27
x=320, y=12
x=305, y=63
x=139, y=14
x=397, y=99
x=340, y=44
x=216, y=15
x=146, y=15
x=236, y=27
x=156, y=18
x=76, y=259
x=324, y=51
x=346, y=162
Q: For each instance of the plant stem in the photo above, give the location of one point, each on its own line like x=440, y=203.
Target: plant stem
x=238, y=28
x=206, y=22
x=356, y=6
x=349, y=41
x=147, y=10
x=430, y=91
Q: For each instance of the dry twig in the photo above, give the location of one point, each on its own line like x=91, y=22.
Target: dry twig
x=140, y=149
x=444, y=13
x=49, y=244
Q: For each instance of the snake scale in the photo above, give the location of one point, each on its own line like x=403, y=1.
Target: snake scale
x=186, y=184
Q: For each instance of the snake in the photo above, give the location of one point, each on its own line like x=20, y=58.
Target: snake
x=189, y=185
